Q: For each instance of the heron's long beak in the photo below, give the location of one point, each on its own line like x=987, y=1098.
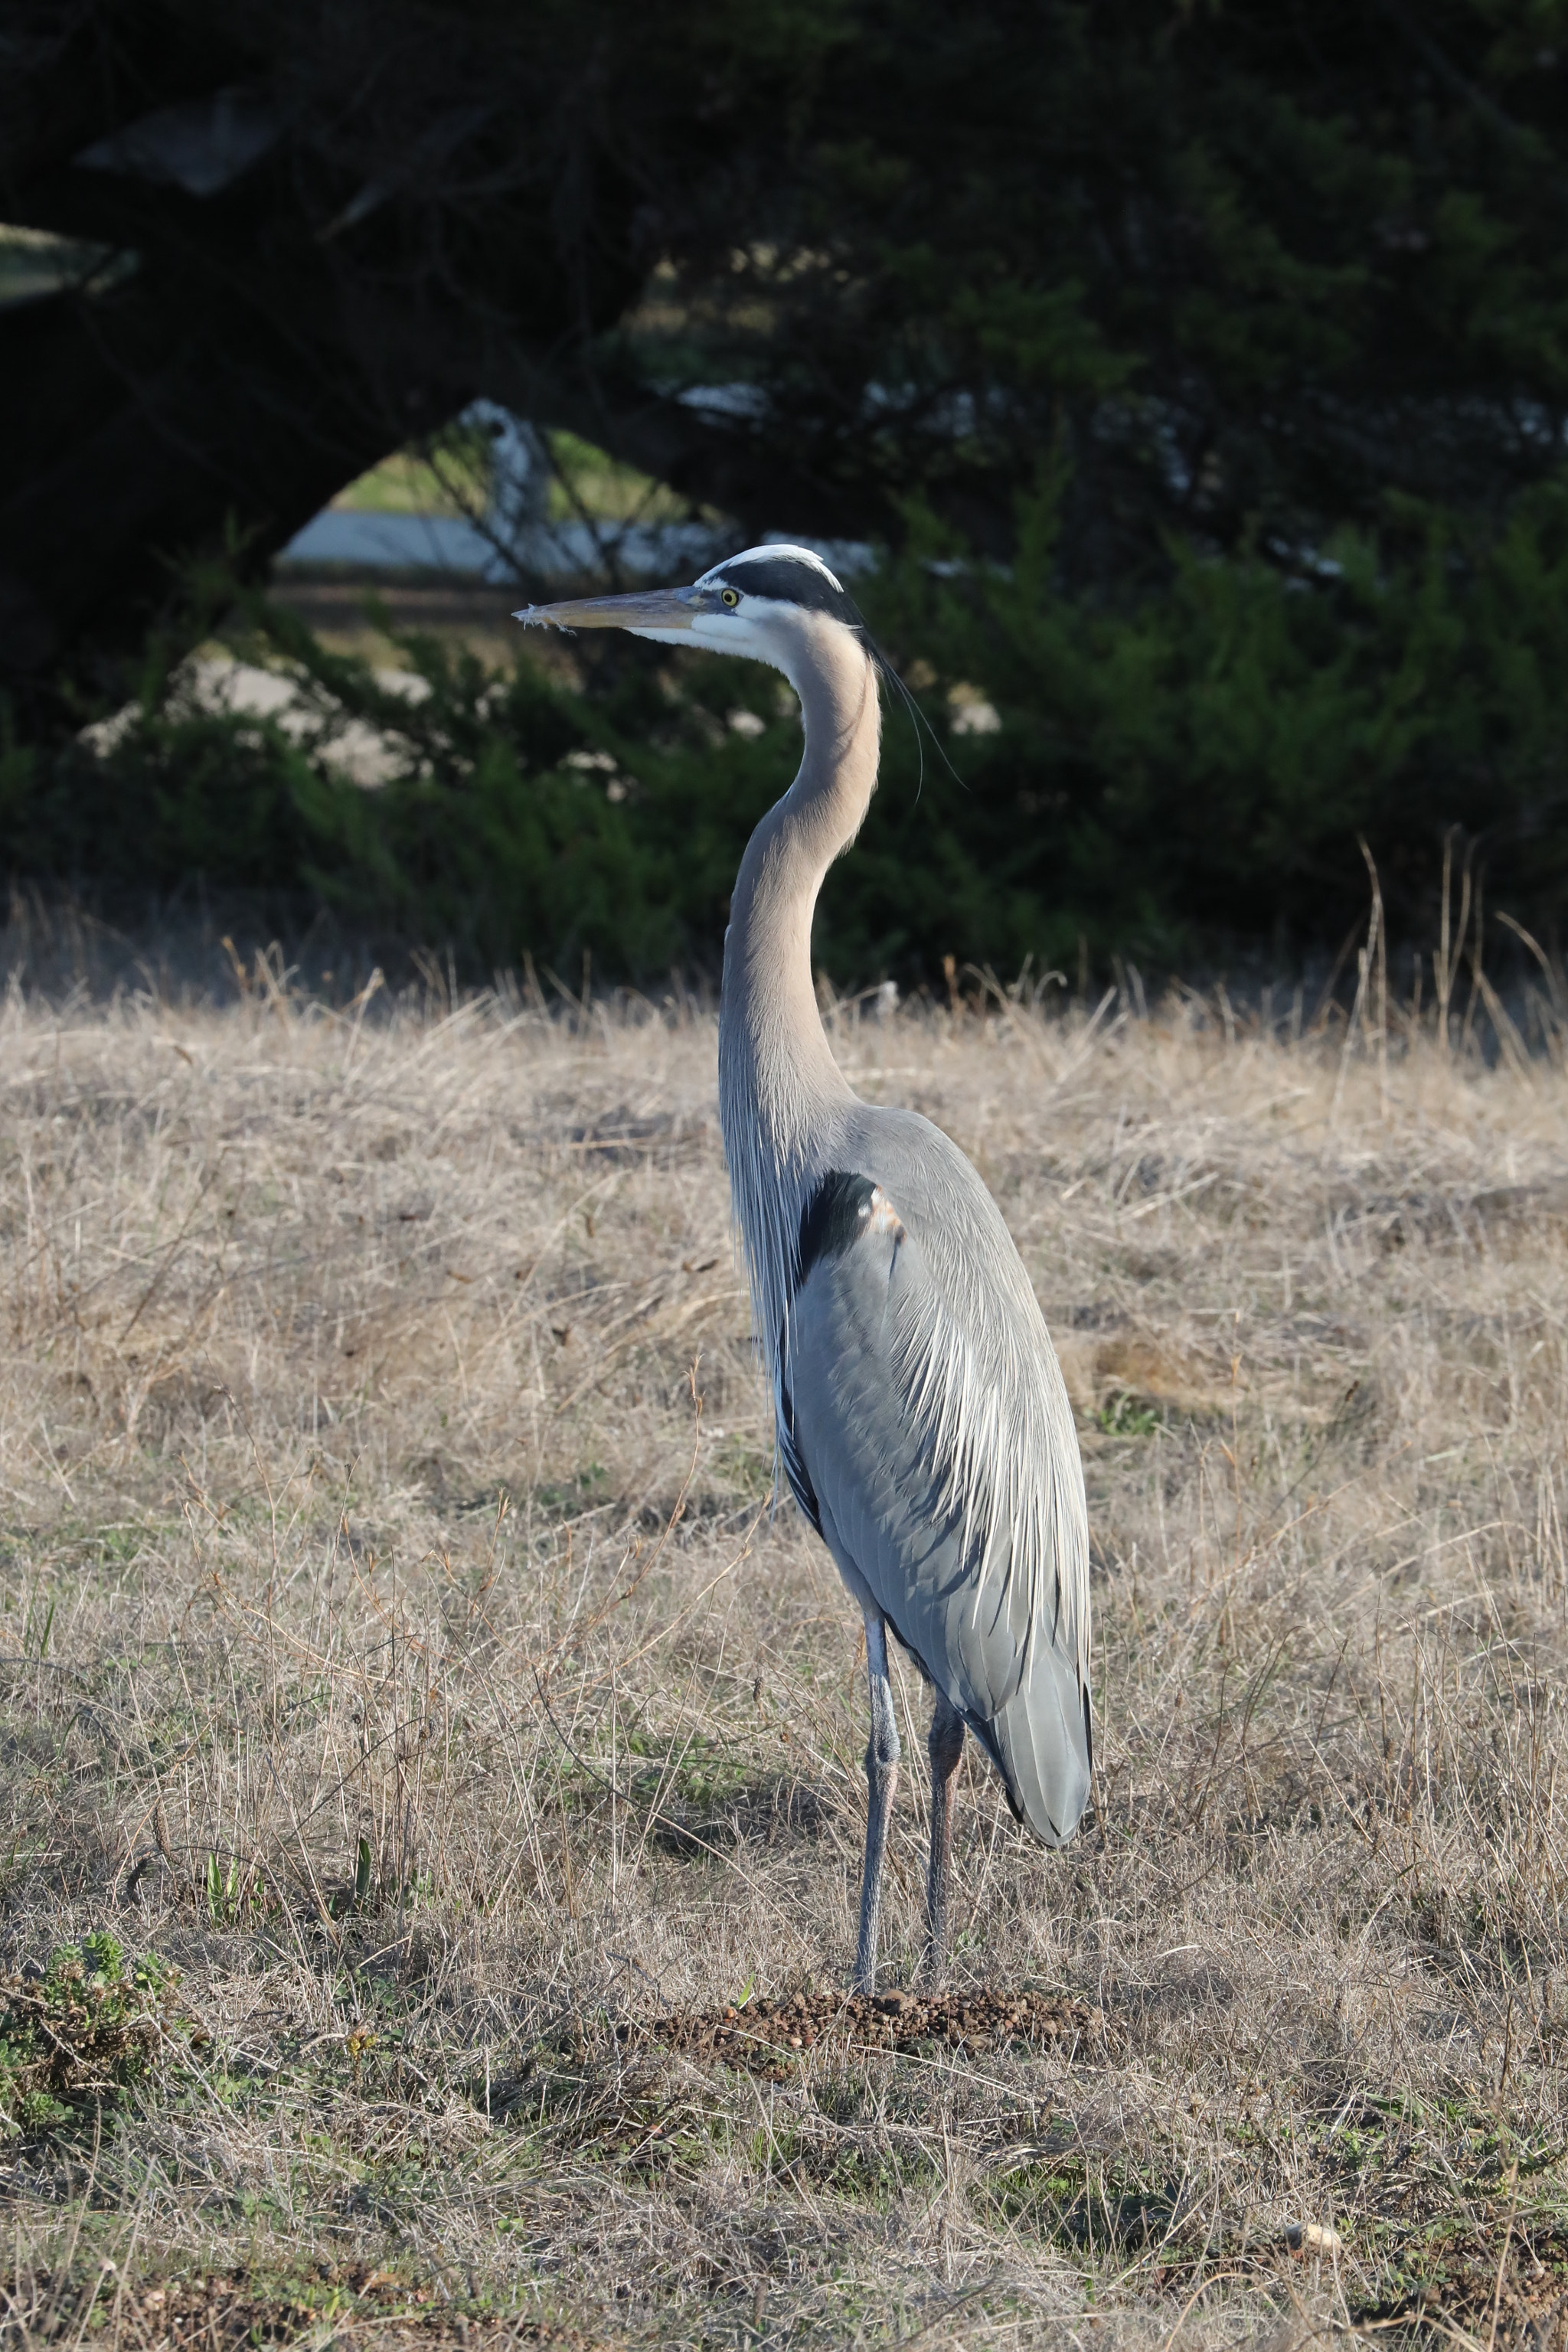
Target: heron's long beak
x=652, y=608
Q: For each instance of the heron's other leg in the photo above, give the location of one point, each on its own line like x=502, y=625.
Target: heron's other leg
x=881, y=1779
x=946, y=1744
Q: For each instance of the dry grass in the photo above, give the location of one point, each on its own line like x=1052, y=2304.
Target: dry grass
x=360, y=1659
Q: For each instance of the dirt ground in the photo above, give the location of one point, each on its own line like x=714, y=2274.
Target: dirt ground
x=399, y=1641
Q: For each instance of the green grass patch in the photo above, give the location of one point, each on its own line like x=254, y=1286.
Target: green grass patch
x=1079, y=2203
x=81, y=2033
x=701, y=1771
x=743, y=1466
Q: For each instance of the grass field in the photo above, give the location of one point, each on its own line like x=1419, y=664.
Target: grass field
x=454, y=478
x=397, y=1641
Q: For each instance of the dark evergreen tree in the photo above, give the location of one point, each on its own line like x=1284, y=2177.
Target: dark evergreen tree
x=1236, y=334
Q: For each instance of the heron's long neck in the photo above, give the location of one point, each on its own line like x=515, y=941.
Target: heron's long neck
x=778, y=1082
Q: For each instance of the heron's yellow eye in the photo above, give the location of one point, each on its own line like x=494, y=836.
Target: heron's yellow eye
x=730, y=597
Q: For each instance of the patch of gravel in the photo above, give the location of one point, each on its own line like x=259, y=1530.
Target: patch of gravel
x=765, y=2036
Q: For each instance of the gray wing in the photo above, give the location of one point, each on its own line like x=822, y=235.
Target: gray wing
x=926, y=1430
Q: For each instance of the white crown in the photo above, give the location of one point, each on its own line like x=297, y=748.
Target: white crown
x=773, y=556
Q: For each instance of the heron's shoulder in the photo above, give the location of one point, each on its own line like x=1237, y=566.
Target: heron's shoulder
x=844, y=1206
x=936, y=1189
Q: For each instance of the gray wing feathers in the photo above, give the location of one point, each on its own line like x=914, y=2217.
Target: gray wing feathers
x=930, y=1419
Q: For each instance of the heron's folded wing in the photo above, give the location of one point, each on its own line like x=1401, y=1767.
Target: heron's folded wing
x=944, y=1470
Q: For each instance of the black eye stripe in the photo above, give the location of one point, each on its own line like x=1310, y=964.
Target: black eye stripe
x=790, y=581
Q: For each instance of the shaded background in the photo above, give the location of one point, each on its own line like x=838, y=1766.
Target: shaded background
x=1192, y=379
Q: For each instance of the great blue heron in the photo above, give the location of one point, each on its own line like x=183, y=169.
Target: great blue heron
x=923, y=1421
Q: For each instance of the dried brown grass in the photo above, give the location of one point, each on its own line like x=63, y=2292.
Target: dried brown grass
x=390, y=1640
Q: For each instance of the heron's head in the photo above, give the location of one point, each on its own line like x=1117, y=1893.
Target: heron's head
x=774, y=604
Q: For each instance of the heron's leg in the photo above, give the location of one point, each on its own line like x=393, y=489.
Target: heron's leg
x=946, y=1744
x=881, y=1779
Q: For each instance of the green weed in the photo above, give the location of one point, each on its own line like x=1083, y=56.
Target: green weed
x=1124, y=1416
x=80, y=2035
